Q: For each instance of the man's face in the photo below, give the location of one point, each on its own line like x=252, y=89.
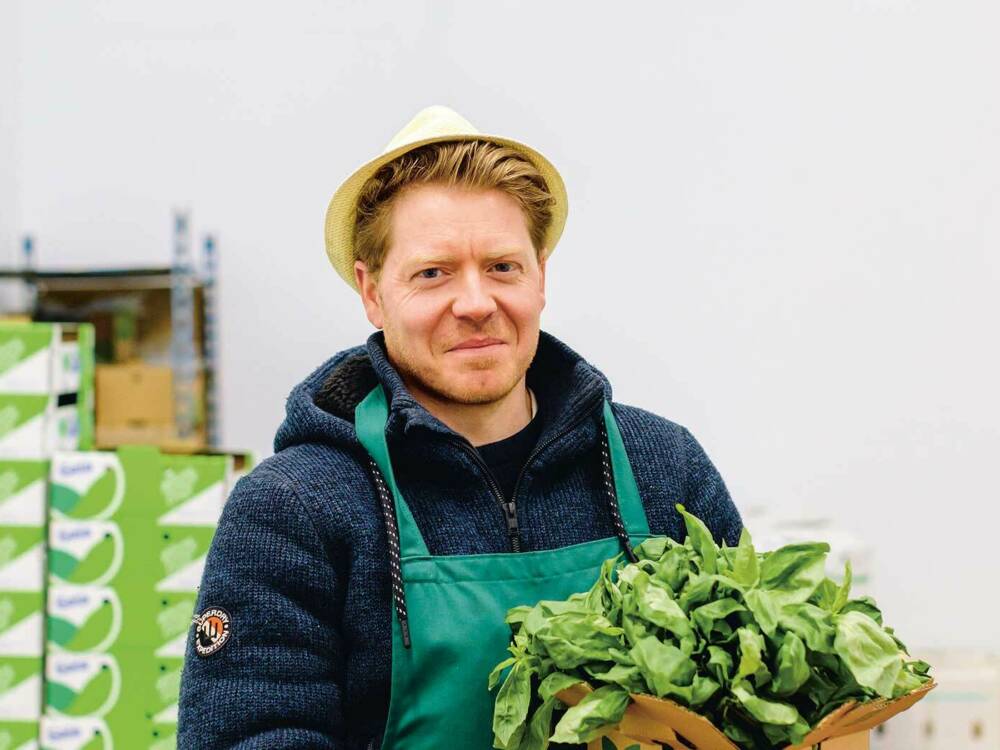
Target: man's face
x=460, y=268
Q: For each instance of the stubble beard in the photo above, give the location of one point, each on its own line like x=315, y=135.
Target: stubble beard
x=430, y=381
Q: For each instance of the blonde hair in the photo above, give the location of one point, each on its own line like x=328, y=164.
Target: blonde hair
x=467, y=164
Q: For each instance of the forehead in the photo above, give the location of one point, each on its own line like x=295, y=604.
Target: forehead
x=442, y=217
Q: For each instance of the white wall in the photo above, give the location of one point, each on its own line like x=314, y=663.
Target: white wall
x=783, y=231
x=9, y=123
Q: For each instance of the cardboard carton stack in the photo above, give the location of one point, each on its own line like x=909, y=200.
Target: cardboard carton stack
x=128, y=535
x=46, y=388
x=46, y=404
x=22, y=599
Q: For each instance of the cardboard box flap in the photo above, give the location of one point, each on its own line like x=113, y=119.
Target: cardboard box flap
x=650, y=721
x=858, y=717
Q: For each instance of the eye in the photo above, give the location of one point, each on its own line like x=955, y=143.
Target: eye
x=421, y=275
x=504, y=263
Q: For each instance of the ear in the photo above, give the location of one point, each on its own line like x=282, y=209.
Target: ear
x=368, y=288
x=541, y=273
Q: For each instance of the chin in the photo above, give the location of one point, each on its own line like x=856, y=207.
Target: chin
x=473, y=388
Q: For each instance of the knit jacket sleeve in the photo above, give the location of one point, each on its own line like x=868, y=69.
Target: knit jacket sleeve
x=274, y=683
x=706, y=495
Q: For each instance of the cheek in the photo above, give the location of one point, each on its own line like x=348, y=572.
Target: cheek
x=419, y=318
x=524, y=306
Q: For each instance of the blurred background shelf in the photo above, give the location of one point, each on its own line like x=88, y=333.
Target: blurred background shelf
x=155, y=340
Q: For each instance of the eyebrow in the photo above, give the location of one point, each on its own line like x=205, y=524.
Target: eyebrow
x=436, y=259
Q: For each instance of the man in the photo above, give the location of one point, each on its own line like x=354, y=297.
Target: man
x=461, y=462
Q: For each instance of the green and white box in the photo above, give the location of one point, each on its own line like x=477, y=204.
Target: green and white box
x=83, y=619
x=180, y=490
x=37, y=425
x=86, y=553
x=26, y=424
x=46, y=388
x=27, y=354
x=81, y=685
x=44, y=358
x=22, y=558
x=23, y=491
x=86, y=486
x=20, y=687
x=61, y=733
x=19, y=735
x=22, y=623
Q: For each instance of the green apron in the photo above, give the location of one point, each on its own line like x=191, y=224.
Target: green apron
x=455, y=604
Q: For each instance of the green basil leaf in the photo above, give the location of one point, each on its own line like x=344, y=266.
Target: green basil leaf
x=583, y=722
x=868, y=652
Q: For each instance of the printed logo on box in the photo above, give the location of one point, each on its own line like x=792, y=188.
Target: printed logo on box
x=86, y=486
x=83, y=618
x=85, y=553
x=59, y=733
x=81, y=684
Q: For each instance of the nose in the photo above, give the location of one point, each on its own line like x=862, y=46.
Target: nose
x=472, y=299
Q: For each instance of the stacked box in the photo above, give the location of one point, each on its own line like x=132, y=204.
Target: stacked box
x=128, y=534
x=22, y=599
x=46, y=388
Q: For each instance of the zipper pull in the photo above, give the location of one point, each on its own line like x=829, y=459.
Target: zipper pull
x=510, y=512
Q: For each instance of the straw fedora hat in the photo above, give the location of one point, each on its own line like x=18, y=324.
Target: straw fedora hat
x=429, y=125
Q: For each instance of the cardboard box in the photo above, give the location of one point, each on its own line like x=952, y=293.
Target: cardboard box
x=23, y=492
x=82, y=619
x=19, y=735
x=22, y=558
x=86, y=553
x=54, y=360
x=61, y=733
x=135, y=395
x=28, y=357
x=136, y=406
x=81, y=685
x=46, y=388
x=652, y=723
x=20, y=687
x=22, y=624
x=134, y=481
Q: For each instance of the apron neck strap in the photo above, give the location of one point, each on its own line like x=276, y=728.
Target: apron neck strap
x=633, y=514
x=369, y=422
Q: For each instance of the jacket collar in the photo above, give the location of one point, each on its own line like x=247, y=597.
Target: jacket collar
x=565, y=384
x=320, y=410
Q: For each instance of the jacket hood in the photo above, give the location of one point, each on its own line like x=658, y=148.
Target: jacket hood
x=320, y=409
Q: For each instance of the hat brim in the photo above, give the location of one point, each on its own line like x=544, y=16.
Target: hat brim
x=341, y=213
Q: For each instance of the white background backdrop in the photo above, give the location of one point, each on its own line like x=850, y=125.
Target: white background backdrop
x=783, y=232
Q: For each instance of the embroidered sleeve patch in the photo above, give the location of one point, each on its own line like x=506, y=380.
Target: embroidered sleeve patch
x=212, y=630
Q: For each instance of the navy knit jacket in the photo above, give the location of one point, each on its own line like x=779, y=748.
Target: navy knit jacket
x=300, y=560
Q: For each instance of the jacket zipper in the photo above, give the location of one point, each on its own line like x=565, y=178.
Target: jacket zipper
x=510, y=509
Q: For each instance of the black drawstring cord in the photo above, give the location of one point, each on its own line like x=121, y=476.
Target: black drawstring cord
x=395, y=568
x=609, y=485
x=392, y=531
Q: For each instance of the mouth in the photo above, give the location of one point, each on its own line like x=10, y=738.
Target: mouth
x=478, y=345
